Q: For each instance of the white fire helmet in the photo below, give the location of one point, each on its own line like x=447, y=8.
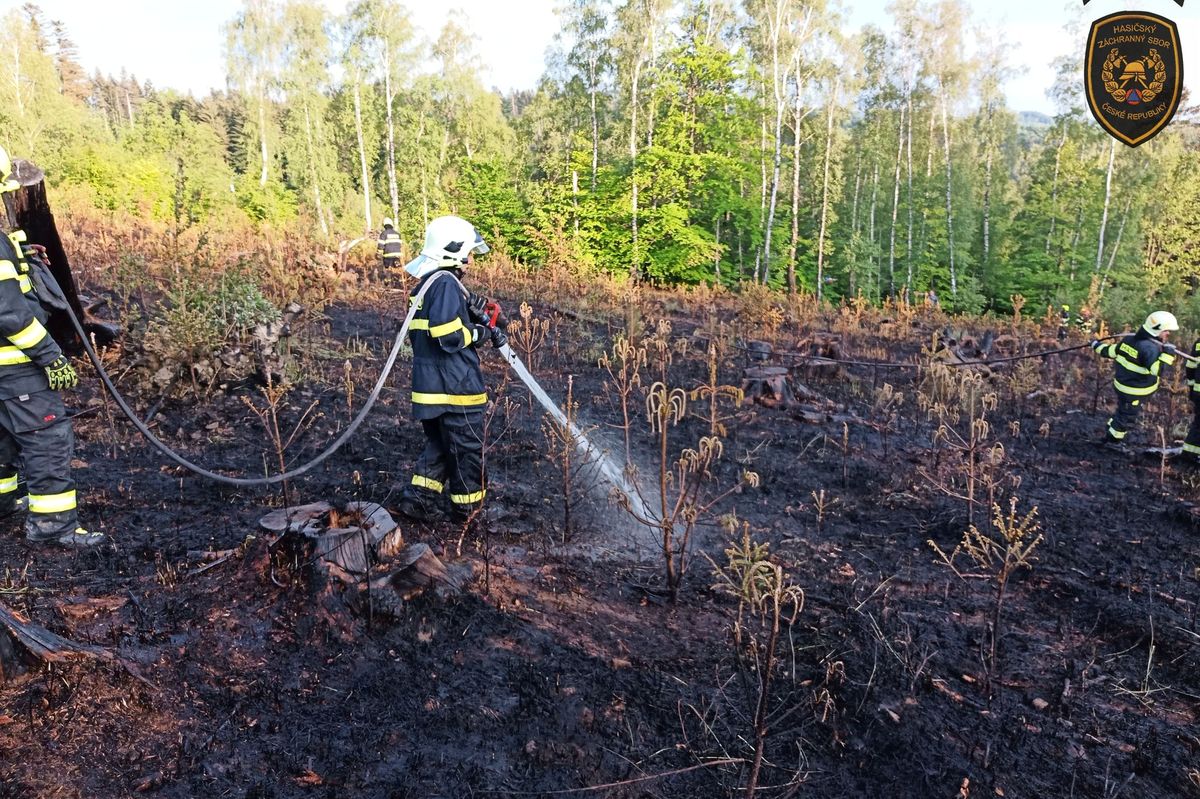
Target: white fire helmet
x=449, y=241
x=7, y=182
x=387, y=222
x=1160, y=322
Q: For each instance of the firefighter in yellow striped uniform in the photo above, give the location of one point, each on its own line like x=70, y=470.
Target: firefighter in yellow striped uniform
x=1139, y=358
x=389, y=245
x=448, y=393
x=34, y=427
x=1191, y=445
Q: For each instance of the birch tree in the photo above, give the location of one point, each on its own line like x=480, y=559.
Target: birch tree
x=252, y=50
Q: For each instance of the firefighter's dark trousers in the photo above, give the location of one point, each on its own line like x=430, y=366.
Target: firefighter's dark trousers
x=35, y=433
x=1191, y=444
x=451, y=465
x=1125, y=418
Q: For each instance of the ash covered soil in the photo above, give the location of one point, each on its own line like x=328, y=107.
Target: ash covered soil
x=563, y=666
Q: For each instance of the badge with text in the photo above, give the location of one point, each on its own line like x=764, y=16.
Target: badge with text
x=1133, y=74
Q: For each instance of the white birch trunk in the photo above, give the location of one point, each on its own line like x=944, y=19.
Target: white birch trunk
x=949, y=195
x=1112, y=154
x=389, y=97
x=312, y=170
x=895, y=204
x=362, y=154
x=1054, y=188
x=825, y=192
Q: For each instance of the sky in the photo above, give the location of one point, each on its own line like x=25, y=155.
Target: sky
x=144, y=36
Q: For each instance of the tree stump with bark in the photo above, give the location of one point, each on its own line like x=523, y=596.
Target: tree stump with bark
x=768, y=385
x=28, y=209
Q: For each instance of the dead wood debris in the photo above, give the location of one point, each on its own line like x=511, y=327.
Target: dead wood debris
x=361, y=548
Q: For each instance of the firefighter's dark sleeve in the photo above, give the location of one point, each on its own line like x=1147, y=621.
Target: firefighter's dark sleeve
x=447, y=310
x=379, y=244
x=17, y=322
x=1190, y=369
x=1151, y=353
x=1109, y=350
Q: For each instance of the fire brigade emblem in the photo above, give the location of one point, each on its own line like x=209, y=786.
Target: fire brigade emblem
x=1133, y=74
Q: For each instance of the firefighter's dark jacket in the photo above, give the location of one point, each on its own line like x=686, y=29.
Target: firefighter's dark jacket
x=1140, y=358
x=1192, y=372
x=389, y=244
x=446, y=373
x=26, y=348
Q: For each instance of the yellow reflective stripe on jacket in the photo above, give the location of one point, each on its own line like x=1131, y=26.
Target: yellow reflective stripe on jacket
x=420, y=481
x=1192, y=449
x=8, y=271
x=421, y=398
x=1135, y=392
x=467, y=499
x=393, y=255
x=1133, y=367
x=9, y=356
x=8, y=484
x=419, y=324
x=453, y=326
x=52, y=503
x=31, y=336
x=1166, y=358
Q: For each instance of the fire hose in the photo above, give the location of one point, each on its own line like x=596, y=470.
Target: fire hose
x=244, y=482
x=585, y=446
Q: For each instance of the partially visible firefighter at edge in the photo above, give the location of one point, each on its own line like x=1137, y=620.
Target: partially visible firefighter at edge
x=34, y=428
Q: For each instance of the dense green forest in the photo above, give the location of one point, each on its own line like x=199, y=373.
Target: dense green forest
x=676, y=142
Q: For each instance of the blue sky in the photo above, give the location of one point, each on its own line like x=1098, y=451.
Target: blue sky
x=177, y=43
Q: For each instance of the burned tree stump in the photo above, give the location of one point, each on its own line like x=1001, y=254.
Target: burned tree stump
x=360, y=553
x=28, y=209
x=768, y=385
x=817, y=356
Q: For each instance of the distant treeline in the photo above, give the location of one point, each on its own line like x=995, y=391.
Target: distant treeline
x=675, y=142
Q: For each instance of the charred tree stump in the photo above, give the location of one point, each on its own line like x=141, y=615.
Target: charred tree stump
x=28, y=209
x=360, y=560
x=768, y=385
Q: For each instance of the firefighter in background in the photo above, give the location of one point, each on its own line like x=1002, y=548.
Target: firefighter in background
x=1084, y=322
x=448, y=396
x=389, y=245
x=1064, y=322
x=1140, y=357
x=1191, y=444
x=34, y=427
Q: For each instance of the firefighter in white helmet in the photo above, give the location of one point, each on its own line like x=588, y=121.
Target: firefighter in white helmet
x=1139, y=358
x=34, y=427
x=448, y=393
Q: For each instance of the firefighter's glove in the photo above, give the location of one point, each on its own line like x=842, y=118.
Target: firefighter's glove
x=475, y=306
x=35, y=252
x=62, y=374
x=1171, y=349
x=499, y=337
x=1097, y=344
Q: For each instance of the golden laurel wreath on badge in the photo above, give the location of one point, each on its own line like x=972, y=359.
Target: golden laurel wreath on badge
x=1134, y=83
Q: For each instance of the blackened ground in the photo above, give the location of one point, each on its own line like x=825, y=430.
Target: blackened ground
x=558, y=671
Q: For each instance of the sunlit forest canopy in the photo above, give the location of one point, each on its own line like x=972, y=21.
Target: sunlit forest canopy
x=674, y=142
